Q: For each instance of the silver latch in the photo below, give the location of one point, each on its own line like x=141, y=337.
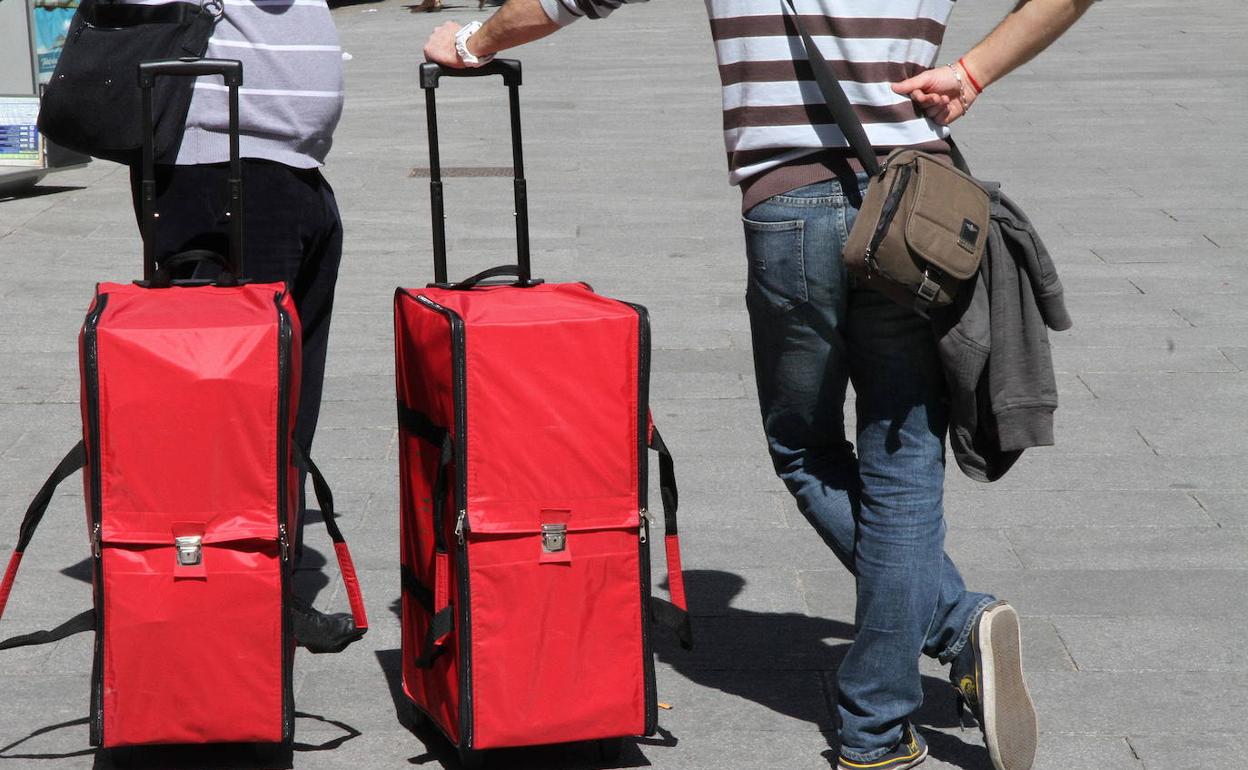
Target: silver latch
x=928, y=289
x=554, y=537
x=190, y=550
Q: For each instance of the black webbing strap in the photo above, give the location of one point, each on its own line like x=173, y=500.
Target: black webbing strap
x=83, y=621
x=670, y=616
x=324, y=495
x=842, y=111
x=346, y=567
x=418, y=590
x=667, y=481
x=673, y=614
x=419, y=424
x=442, y=621
x=75, y=459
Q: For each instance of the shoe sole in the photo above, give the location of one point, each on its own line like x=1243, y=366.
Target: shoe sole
x=1009, y=714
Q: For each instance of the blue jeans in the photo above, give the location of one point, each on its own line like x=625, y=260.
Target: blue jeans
x=881, y=512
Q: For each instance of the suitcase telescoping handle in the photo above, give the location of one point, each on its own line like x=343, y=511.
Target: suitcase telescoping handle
x=509, y=69
x=232, y=72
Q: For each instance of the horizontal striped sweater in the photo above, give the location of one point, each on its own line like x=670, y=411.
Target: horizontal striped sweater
x=778, y=132
x=292, y=93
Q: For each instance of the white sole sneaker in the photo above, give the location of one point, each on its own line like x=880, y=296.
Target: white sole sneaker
x=1009, y=715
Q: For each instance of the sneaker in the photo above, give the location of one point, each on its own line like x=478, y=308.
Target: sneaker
x=910, y=752
x=988, y=675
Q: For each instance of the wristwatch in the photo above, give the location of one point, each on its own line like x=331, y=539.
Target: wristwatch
x=461, y=46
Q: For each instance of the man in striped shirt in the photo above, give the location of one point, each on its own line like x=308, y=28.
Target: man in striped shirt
x=880, y=510
x=289, y=105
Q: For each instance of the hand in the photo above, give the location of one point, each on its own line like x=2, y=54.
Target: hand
x=938, y=94
x=440, y=47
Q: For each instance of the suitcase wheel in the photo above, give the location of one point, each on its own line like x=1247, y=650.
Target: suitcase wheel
x=609, y=749
x=471, y=759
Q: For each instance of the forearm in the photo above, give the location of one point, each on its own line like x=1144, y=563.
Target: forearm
x=516, y=23
x=1030, y=28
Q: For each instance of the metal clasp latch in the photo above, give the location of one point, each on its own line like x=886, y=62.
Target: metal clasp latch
x=554, y=537
x=190, y=550
x=928, y=289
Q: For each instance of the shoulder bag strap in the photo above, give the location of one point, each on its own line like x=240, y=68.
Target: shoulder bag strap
x=842, y=111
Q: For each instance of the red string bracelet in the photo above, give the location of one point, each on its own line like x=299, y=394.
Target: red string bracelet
x=978, y=89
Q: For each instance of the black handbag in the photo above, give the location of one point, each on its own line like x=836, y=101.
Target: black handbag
x=93, y=102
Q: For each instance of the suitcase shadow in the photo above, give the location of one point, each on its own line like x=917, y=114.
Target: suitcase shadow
x=225, y=756
x=745, y=654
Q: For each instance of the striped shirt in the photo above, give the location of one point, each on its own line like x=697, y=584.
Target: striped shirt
x=292, y=92
x=778, y=131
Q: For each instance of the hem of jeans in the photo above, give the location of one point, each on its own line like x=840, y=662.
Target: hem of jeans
x=870, y=756
x=956, y=646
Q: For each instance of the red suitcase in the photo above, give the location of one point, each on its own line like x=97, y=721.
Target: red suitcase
x=523, y=417
x=189, y=395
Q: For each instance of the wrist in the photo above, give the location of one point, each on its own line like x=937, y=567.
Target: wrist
x=977, y=83
x=464, y=47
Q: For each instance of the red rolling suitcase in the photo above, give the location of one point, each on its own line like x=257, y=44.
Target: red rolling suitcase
x=526, y=612
x=189, y=395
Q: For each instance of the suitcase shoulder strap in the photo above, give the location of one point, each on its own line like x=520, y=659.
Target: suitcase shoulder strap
x=437, y=603
x=325, y=498
x=673, y=614
x=74, y=460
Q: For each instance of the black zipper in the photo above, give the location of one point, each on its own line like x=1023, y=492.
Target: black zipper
x=887, y=214
x=91, y=354
x=283, y=466
x=643, y=494
x=459, y=386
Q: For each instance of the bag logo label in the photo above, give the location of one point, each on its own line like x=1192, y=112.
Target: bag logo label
x=969, y=236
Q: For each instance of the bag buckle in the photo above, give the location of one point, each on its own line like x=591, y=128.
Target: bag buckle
x=554, y=537
x=928, y=290
x=190, y=550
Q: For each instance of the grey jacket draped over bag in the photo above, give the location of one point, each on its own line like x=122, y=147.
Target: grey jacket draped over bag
x=994, y=346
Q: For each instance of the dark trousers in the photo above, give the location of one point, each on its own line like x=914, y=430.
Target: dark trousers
x=291, y=232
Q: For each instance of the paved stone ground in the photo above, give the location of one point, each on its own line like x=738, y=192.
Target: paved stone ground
x=1124, y=547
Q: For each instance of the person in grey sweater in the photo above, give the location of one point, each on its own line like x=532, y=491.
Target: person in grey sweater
x=290, y=103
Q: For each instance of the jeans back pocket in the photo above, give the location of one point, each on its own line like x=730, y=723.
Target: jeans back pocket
x=777, y=274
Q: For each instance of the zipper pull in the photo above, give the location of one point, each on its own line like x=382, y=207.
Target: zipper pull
x=459, y=526
x=96, y=545
x=641, y=526
x=282, y=542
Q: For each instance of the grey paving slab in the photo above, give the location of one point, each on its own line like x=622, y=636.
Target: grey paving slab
x=1198, y=644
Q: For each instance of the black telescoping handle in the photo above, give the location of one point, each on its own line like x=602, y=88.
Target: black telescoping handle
x=231, y=71
x=509, y=69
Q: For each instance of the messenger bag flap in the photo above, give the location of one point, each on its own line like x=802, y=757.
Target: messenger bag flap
x=948, y=221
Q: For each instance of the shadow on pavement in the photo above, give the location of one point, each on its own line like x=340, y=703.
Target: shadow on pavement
x=223, y=756
x=38, y=191
x=739, y=652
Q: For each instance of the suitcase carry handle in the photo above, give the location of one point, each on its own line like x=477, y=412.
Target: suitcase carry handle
x=163, y=277
x=509, y=69
x=232, y=72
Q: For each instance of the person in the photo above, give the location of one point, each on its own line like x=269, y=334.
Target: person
x=880, y=510
x=290, y=103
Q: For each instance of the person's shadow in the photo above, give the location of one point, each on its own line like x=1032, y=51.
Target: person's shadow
x=744, y=653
